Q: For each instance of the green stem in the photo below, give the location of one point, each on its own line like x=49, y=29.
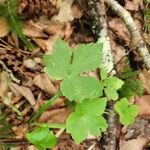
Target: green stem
x=45, y=106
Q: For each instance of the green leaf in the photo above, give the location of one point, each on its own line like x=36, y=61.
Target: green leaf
x=42, y=138
x=126, y=111
x=87, y=57
x=96, y=106
x=78, y=88
x=131, y=87
x=57, y=65
x=86, y=120
x=111, y=93
x=113, y=82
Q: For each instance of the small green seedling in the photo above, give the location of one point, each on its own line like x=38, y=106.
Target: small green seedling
x=132, y=86
x=111, y=85
x=42, y=137
x=126, y=111
x=87, y=119
x=90, y=94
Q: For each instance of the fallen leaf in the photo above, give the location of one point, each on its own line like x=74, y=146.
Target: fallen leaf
x=119, y=28
x=145, y=79
x=133, y=5
x=33, y=30
x=144, y=105
x=130, y=5
x=4, y=84
x=30, y=64
x=24, y=91
x=65, y=11
x=55, y=116
x=20, y=130
x=76, y=11
x=119, y=53
x=134, y=144
x=4, y=28
x=46, y=45
x=60, y=102
x=59, y=29
x=55, y=30
x=43, y=82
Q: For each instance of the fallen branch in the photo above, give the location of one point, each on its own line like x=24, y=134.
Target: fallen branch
x=134, y=31
x=108, y=64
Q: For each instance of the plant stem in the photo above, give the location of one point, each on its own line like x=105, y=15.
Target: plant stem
x=45, y=106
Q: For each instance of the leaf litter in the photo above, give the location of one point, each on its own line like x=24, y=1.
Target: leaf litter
x=46, y=21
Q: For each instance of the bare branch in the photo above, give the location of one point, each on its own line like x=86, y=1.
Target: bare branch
x=134, y=31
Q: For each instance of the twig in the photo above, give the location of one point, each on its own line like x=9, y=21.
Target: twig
x=14, y=141
x=9, y=72
x=134, y=31
x=59, y=132
x=99, y=27
x=112, y=130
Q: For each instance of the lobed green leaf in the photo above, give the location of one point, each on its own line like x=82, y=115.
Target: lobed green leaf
x=42, y=138
x=78, y=88
x=86, y=119
x=87, y=57
x=126, y=111
x=111, y=93
x=57, y=65
x=113, y=82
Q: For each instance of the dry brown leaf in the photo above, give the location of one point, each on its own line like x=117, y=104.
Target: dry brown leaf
x=43, y=82
x=55, y=30
x=13, y=40
x=118, y=54
x=24, y=91
x=46, y=45
x=30, y=64
x=4, y=28
x=144, y=105
x=130, y=5
x=119, y=28
x=4, y=84
x=133, y=5
x=76, y=11
x=60, y=102
x=33, y=30
x=59, y=29
x=65, y=11
x=55, y=116
x=145, y=79
x=134, y=144
x=20, y=130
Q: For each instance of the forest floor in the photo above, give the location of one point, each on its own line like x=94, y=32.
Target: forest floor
x=24, y=86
